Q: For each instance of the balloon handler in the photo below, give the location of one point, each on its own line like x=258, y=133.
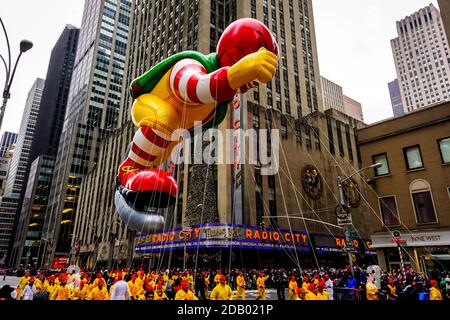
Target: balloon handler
x=182, y=89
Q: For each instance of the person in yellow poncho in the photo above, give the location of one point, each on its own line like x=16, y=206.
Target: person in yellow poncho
x=300, y=294
x=435, y=293
x=206, y=277
x=184, y=293
x=293, y=288
x=39, y=282
x=159, y=294
x=99, y=292
x=305, y=283
x=98, y=277
x=134, y=288
x=24, y=280
x=261, y=285
x=222, y=291
x=148, y=293
x=392, y=290
x=311, y=293
x=371, y=289
x=217, y=277
x=78, y=293
x=140, y=279
x=240, y=284
x=60, y=291
x=321, y=293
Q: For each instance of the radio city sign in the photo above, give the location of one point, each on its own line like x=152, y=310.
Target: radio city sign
x=223, y=232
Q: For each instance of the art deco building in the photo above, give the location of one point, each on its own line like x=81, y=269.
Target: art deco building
x=396, y=98
x=422, y=59
x=92, y=112
x=315, y=147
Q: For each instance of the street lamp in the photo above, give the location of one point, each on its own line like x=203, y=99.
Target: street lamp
x=25, y=45
x=344, y=207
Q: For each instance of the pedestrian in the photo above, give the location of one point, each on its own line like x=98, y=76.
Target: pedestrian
x=99, y=292
x=311, y=294
x=40, y=294
x=280, y=280
x=435, y=293
x=240, y=286
x=121, y=289
x=321, y=293
x=371, y=289
x=184, y=293
x=222, y=291
x=29, y=290
x=200, y=286
x=159, y=294
x=261, y=286
x=329, y=287
x=293, y=288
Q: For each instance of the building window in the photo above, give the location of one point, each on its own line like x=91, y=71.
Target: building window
x=384, y=169
x=413, y=158
x=423, y=201
x=389, y=212
x=444, y=148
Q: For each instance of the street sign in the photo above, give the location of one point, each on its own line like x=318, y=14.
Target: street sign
x=347, y=221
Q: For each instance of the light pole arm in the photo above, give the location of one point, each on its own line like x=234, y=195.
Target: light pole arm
x=6, y=69
x=12, y=75
x=375, y=165
x=7, y=44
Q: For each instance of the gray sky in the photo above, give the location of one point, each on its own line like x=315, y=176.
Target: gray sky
x=353, y=42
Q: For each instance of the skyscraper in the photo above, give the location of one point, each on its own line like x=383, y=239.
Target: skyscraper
x=45, y=143
x=396, y=98
x=444, y=6
x=333, y=96
x=8, y=138
x=422, y=59
x=17, y=173
x=291, y=102
x=92, y=112
x=353, y=108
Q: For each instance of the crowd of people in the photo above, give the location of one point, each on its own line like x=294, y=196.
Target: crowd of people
x=323, y=284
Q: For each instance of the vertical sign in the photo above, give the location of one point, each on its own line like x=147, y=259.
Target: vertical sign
x=237, y=123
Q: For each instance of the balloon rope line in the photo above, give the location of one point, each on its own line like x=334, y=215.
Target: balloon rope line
x=373, y=211
x=285, y=206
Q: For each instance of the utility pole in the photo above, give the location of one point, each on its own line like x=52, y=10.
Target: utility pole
x=343, y=213
x=343, y=206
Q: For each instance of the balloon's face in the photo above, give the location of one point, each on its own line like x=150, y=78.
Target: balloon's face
x=243, y=37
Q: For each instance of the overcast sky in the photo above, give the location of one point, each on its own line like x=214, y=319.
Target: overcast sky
x=353, y=42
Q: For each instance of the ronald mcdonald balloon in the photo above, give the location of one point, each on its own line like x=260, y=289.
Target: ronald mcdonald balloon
x=185, y=88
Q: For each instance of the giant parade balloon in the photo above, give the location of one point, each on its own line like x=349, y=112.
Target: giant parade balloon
x=186, y=88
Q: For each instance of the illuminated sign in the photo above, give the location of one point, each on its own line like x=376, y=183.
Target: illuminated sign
x=223, y=235
x=243, y=237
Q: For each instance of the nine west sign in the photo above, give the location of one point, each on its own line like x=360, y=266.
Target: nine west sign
x=413, y=239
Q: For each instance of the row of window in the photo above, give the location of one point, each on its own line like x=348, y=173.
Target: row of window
x=413, y=157
x=422, y=201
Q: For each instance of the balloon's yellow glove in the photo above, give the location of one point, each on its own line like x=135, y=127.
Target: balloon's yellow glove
x=260, y=66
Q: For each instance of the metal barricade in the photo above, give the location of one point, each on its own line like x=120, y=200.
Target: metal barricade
x=348, y=294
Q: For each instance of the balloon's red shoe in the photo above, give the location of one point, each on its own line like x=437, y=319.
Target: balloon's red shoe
x=146, y=187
